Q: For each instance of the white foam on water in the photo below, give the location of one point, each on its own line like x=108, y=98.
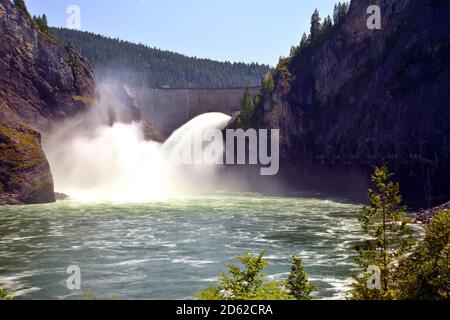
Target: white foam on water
x=93, y=161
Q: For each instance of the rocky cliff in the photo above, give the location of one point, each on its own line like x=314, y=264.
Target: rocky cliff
x=24, y=171
x=360, y=97
x=123, y=105
x=40, y=82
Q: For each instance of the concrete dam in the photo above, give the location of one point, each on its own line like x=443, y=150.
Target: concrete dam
x=169, y=109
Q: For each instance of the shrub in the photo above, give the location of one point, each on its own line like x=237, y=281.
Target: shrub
x=297, y=283
x=268, y=84
x=4, y=295
x=389, y=238
x=247, y=107
x=425, y=274
x=246, y=284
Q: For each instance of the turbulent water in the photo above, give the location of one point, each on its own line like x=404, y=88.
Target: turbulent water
x=170, y=246
x=93, y=161
x=174, y=248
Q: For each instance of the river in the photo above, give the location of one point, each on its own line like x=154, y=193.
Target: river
x=173, y=248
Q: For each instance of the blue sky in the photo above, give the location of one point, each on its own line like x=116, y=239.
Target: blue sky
x=226, y=30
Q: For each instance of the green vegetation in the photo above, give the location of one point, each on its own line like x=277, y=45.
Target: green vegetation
x=4, y=295
x=249, y=284
x=327, y=25
x=319, y=30
x=419, y=272
x=340, y=12
x=316, y=26
x=88, y=295
x=297, y=283
x=40, y=21
x=141, y=65
x=72, y=60
x=390, y=237
x=19, y=151
x=42, y=24
x=20, y=4
x=247, y=107
x=87, y=100
x=407, y=272
x=267, y=83
x=23, y=150
x=425, y=274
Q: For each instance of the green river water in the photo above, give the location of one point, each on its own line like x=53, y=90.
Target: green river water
x=174, y=248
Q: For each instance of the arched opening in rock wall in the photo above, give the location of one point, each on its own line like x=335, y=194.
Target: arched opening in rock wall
x=382, y=152
x=428, y=154
x=346, y=153
x=364, y=153
x=404, y=153
x=330, y=153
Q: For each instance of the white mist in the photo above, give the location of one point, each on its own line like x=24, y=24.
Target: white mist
x=93, y=161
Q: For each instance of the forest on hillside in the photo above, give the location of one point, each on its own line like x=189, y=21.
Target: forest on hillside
x=141, y=65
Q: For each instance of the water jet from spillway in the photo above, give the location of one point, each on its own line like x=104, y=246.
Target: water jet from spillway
x=115, y=163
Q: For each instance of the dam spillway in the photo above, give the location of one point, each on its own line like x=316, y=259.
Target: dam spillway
x=169, y=109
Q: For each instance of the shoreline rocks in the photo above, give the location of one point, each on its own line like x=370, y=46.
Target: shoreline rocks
x=61, y=196
x=427, y=215
x=25, y=176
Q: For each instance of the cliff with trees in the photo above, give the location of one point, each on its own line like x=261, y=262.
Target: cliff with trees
x=350, y=97
x=41, y=82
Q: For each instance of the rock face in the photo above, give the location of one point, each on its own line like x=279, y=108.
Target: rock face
x=40, y=83
x=24, y=171
x=426, y=216
x=126, y=109
x=363, y=97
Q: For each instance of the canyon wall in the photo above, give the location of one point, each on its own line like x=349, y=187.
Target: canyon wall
x=356, y=98
x=41, y=82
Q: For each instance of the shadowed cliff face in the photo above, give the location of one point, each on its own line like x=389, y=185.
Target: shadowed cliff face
x=40, y=80
x=40, y=83
x=362, y=97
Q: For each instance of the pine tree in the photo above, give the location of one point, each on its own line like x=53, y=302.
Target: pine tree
x=336, y=14
x=42, y=23
x=304, y=42
x=246, y=284
x=327, y=25
x=268, y=84
x=315, y=25
x=340, y=12
x=297, y=283
x=294, y=51
x=390, y=238
x=247, y=107
x=343, y=10
x=155, y=68
x=425, y=274
x=20, y=4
